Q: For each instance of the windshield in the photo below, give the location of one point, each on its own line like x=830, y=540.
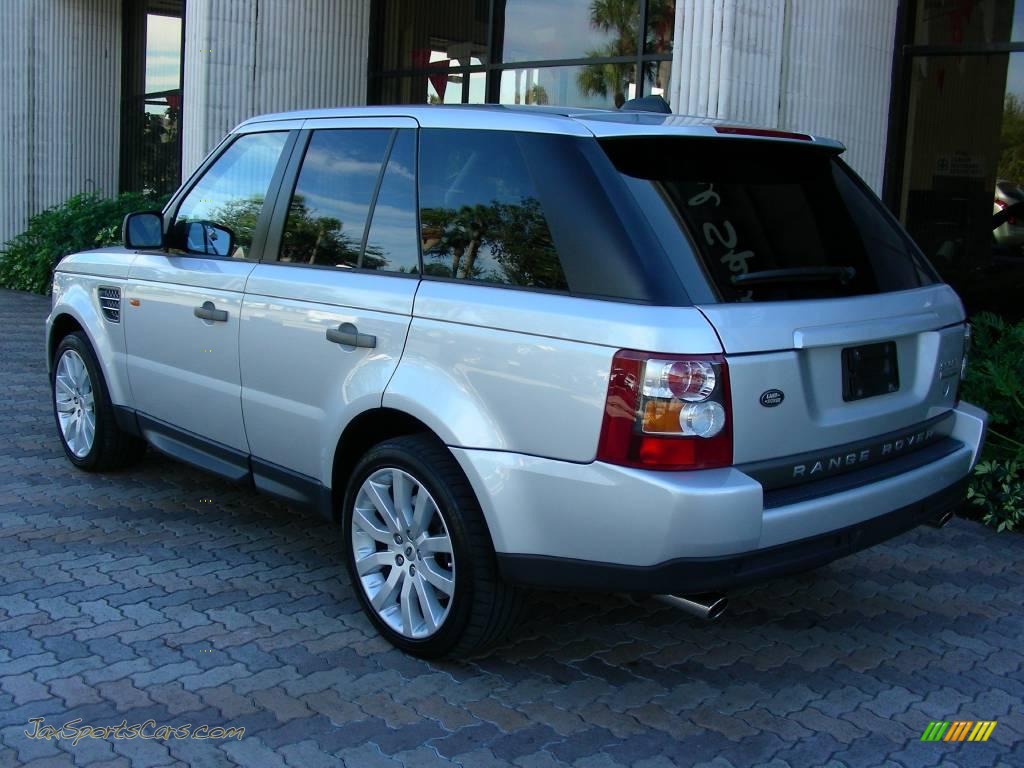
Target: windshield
x=772, y=221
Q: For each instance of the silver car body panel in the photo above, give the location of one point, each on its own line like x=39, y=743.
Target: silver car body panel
x=609, y=514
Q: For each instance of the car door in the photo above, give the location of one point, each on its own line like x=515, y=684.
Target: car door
x=184, y=304
x=326, y=313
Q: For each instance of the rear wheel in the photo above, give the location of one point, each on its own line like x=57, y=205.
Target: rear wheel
x=419, y=554
x=85, y=418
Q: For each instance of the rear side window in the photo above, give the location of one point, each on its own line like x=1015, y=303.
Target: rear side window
x=353, y=205
x=480, y=213
x=772, y=221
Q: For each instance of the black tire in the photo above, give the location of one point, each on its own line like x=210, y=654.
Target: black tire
x=483, y=608
x=112, y=447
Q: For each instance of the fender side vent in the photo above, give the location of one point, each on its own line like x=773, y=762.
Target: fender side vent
x=110, y=303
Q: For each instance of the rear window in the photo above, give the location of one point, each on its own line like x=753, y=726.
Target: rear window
x=772, y=221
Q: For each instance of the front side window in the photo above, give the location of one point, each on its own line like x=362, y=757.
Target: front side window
x=353, y=205
x=219, y=214
x=480, y=216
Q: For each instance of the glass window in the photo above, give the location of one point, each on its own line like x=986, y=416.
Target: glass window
x=775, y=222
x=594, y=85
x=535, y=30
x=433, y=88
x=964, y=164
x=391, y=243
x=661, y=23
x=331, y=202
x=415, y=34
x=480, y=216
x=970, y=22
x=219, y=214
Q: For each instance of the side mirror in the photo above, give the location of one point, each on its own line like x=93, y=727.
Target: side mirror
x=143, y=230
x=209, y=238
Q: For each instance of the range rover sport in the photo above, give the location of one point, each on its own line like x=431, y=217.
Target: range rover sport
x=513, y=347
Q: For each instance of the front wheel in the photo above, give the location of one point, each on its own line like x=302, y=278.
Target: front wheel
x=85, y=416
x=419, y=554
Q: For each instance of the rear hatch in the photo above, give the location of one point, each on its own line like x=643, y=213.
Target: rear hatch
x=838, y=333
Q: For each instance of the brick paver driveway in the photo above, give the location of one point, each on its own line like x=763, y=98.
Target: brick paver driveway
x=162, y=594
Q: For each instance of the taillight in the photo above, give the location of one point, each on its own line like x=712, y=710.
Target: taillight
x=667, y=412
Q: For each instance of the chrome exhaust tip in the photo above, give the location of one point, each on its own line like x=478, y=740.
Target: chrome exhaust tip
x=708, y=607
x=942, y=520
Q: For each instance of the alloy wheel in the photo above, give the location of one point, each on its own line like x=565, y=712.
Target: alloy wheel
x=403, y=553
x=76, y=407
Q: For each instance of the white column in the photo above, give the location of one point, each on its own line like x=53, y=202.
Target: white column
x=821, y=66
x=250, y=57
x=60, y=91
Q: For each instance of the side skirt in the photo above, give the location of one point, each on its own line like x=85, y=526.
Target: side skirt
x=231, y=464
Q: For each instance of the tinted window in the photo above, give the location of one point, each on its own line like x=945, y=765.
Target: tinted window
x=391, y=243
x=227, y=200
x=331, y=202
x=773, y=221
x=480, y=215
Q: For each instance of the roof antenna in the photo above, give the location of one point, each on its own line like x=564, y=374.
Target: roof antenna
x=647, y=104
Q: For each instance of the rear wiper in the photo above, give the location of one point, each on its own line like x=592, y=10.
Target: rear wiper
x=796, y=274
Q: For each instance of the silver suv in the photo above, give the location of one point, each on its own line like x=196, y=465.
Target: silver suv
x=510, y=347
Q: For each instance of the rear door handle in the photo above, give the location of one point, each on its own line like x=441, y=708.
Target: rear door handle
x=210, y=312
x=348, y=335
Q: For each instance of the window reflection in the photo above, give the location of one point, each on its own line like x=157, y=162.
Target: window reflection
x=329, y=208
x=974, y=22
x=959, y=179
x=230, y=195
x=414, y=31
x=534, y=30
x=596, y=85
x=480, y=218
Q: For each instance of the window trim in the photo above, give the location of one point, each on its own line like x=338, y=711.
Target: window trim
x=290, y=179
x=259, y=235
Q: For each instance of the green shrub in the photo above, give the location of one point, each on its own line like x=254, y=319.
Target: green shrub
x=84, y=221
x=995, y=381
x=997, y=489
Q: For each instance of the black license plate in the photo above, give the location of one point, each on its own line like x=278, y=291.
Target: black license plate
x=870, y=370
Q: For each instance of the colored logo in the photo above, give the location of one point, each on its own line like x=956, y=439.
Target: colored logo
x=772, y=398
x=958, y=730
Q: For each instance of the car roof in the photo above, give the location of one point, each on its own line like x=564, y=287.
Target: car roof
x=600, y=123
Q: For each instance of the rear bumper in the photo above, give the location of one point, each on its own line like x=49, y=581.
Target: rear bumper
x=553, y=522
x=717, y=574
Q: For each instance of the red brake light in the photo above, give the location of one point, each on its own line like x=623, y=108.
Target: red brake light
x=764, y=133
x=669, y=412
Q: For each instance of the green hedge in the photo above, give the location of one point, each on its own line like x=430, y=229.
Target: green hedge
x=995, y=381
x=85, y=221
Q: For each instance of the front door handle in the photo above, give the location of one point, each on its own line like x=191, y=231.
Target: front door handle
x=210, y=312
x=348, y=335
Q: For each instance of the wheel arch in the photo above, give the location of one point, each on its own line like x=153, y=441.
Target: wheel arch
x=77, y=312
x=367, y=429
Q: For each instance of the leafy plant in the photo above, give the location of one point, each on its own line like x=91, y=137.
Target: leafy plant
x=82, y=222
x=995, y=381
x=997, y=488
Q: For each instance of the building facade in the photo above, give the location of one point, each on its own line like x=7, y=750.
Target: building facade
x=926, y=94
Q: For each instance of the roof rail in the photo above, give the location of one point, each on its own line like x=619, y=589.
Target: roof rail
x=647, y=104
